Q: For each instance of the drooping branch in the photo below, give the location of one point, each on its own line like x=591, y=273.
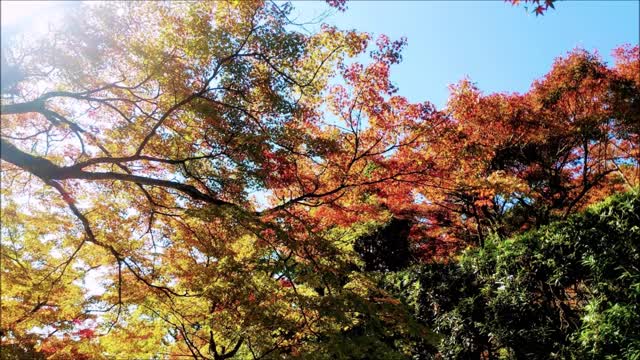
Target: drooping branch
x=90, y=237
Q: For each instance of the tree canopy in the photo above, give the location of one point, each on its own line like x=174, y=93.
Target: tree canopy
x=211, y=180
x=568, y=290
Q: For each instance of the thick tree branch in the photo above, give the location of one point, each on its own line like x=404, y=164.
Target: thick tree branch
x=47, y=171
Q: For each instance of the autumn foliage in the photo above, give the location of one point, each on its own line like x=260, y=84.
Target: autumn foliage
x=211, y=181
x=515, y=161
x=538, y=7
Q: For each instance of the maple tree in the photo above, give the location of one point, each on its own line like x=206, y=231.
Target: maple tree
x=213, y=181
x=188, y=162
x=511, y=162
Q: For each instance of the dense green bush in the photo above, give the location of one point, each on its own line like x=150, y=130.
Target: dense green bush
x=569, y=290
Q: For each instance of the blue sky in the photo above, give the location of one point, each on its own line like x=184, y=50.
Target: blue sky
x=499, y=46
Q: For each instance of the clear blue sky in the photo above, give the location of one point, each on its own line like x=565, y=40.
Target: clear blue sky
x=499, y=46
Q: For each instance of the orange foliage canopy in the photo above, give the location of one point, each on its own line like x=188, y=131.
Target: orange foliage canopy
x=513, y=161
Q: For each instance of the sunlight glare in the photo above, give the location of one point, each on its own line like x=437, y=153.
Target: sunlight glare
x=17, y=15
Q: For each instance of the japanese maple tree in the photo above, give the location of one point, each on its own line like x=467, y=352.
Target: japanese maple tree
x=510, y=162
x=191, y=163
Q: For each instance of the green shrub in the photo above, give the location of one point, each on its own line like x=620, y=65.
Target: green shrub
x=569, y=290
